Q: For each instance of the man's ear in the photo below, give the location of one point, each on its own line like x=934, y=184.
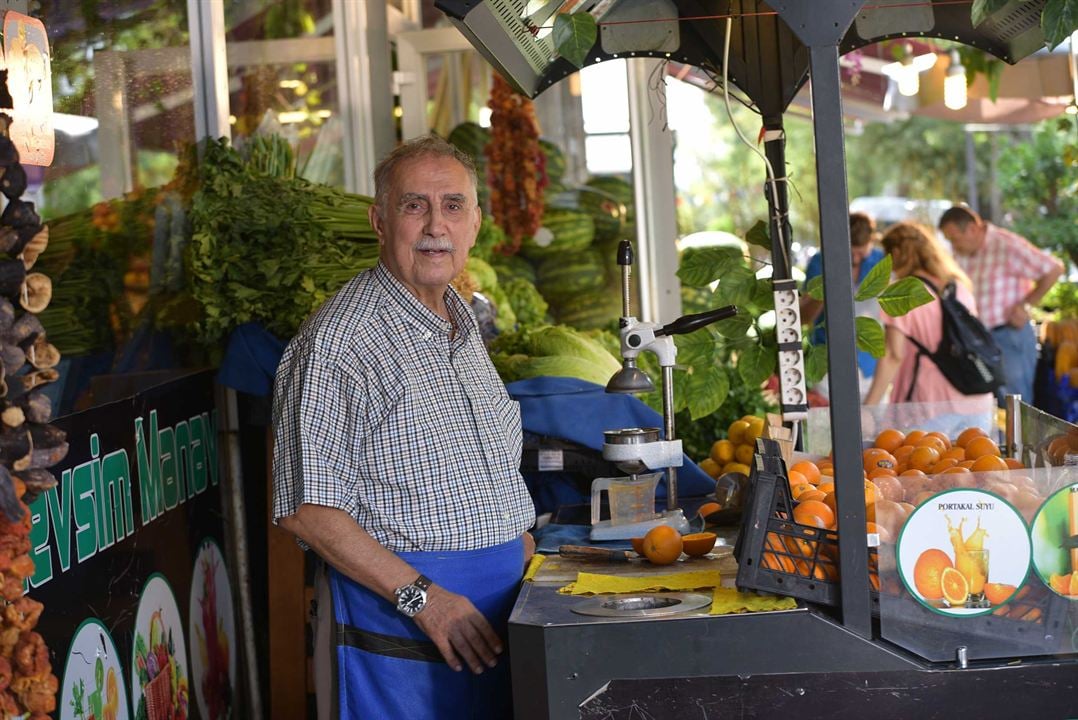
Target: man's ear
x=375, y=219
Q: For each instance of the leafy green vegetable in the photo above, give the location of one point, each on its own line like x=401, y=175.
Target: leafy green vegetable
x=251, y=262
x=527, y=302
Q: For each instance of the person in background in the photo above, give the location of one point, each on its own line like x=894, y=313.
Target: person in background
x=914, y=251
x=396, y=458
x=864, y=256
x=1009, y=276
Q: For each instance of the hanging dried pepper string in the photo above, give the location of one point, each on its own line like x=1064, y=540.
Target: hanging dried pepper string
x=516, y=172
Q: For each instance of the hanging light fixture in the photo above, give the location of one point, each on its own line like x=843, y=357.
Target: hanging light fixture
x=907, y=73
x=954, y=84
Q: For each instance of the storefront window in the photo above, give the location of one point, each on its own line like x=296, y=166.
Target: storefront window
x=606, y=117
x=122, y=92
x=282, y=79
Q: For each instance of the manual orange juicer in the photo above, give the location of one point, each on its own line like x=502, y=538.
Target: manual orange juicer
x=642, y=453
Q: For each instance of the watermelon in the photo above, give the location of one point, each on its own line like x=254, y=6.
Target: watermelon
x=470, y=139
x=618, y=188
x=510, y=267
x=563, y=230
x=555, y=161
x=595, y=308
x=607, y=211
x=563, y=279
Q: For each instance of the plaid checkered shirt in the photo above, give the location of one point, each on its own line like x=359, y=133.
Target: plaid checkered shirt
x=1003, y=271
x=378, y=413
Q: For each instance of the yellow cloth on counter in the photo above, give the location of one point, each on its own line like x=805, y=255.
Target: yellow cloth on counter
x=727, y=600
x=533, y=567
x=595, y=584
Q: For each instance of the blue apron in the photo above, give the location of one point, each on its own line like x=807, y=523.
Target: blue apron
x=387, y=668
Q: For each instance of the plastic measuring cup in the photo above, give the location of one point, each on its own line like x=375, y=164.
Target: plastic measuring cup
x=632, y=499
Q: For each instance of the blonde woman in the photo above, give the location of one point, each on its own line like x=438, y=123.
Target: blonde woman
x=914, y=251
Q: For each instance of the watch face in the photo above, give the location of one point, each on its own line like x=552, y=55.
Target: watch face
x=411, y=600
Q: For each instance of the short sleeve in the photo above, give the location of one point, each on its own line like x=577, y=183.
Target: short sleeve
x=1026, y=259
x=315, y=409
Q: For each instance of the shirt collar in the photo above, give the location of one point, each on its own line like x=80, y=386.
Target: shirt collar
x=420, y=313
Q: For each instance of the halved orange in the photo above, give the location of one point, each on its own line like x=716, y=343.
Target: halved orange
x=698, y=544
x=954, y=586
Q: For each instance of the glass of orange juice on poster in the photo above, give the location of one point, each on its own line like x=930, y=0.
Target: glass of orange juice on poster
x=973, y=565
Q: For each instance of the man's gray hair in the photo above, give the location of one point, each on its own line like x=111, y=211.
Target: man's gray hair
x=425, y=146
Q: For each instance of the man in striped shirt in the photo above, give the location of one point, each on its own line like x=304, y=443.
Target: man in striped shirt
x=1009, y=275
x=396, y=459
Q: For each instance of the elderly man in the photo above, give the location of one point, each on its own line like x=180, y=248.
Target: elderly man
x=396, y=459
x=1009, y=276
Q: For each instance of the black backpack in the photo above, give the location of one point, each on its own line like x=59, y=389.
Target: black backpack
x=968, y=355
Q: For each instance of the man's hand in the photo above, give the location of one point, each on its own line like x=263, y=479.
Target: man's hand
x=529, y=548
x=1018, y=315
x=459, y=630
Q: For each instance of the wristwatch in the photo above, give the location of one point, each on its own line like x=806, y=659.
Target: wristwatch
x=413, y=598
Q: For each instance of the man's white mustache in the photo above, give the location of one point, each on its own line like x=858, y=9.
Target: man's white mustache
x=428, y=244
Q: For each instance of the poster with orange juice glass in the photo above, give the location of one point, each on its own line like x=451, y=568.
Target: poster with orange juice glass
x=964, y=552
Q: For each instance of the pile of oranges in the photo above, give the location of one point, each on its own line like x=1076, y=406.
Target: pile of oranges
x=734, y=452
x=900, y=471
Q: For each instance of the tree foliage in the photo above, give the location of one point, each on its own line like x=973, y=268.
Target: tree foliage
x=1038, y=178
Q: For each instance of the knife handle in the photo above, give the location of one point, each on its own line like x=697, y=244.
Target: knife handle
x=583, y=552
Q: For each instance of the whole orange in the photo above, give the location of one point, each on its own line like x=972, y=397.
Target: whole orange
x=814, y=513
x=890, y=439
x=808, y=469
x=928, y=573
x=662, y=545
x=979, y=446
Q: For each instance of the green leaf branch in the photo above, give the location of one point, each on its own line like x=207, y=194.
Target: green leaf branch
x=574, y=36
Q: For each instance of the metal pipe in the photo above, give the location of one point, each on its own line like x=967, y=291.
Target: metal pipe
x=668, y=423
x=778, y=204
x=1012, y=429
x=234, y=508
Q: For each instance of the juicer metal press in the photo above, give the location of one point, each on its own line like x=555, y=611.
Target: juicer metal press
x=643, y=453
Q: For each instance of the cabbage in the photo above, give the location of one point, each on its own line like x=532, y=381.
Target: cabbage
x=528, y=304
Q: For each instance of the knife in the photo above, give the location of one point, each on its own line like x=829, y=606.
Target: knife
x=583, y=552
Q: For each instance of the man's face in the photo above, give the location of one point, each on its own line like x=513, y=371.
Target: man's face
x=858, y=253
x=964, y=240
x=430, y=221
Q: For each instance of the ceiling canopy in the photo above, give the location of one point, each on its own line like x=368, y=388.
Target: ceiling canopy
x=768, y=62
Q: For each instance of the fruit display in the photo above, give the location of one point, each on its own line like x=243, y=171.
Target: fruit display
x=28, y=445
x=734, y=452
x=901, y=471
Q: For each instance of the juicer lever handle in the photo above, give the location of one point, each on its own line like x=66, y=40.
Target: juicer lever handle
x=690, y=323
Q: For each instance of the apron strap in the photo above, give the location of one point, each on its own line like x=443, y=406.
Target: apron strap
x=388, y=645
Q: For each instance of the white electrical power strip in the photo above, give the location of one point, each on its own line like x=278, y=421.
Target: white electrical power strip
x=793, y=395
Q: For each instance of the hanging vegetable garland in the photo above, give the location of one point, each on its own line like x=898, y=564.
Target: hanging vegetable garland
x=516, y=166
x=28, y=444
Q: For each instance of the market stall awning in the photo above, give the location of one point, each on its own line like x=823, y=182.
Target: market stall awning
x=768, y=61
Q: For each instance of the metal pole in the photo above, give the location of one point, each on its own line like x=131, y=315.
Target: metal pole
x=971, y=173
x=364, y=72
x=821, y=25
x=234, y=510
x=841, y=339
x=209, y=69
x=668, y=421
x=653, y=190
x=778, y=204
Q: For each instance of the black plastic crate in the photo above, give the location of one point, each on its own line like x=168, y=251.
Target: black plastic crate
x=776, y=554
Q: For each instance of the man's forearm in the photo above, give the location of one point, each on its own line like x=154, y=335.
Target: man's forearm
x=1044, y=284
x=336, y=537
